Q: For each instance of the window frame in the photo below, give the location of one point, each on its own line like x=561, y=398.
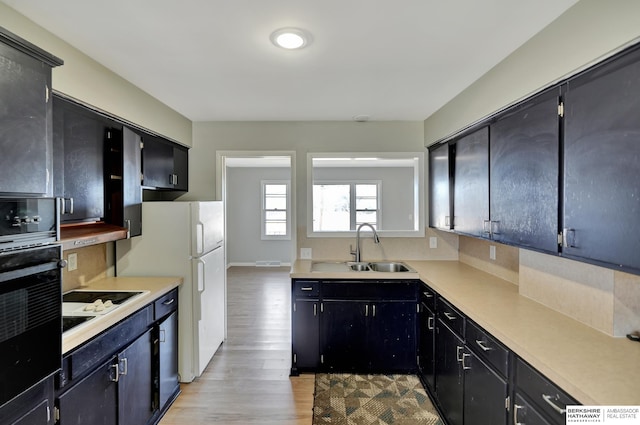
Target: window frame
x=263, y=210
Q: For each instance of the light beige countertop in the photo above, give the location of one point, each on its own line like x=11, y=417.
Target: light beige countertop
x=157, y=287
x=594, y=368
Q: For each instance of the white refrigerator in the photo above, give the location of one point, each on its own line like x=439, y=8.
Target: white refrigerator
x=185, y=239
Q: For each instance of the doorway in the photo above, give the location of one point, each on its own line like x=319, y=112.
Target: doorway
x=258, y=190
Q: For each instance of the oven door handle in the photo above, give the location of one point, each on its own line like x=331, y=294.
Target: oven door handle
x=28, y=271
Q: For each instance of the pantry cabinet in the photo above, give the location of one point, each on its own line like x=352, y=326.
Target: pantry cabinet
x=25, y=116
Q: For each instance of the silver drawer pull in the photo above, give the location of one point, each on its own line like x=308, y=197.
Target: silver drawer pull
x=427, y=295
x=169, y=302
x=482, y=345
x=459, y=353
x=449, y=316
x=516, y=407
x=430, y=323
x=307, y=288
x=116, y=369
x=549, y=400
x=464, y=365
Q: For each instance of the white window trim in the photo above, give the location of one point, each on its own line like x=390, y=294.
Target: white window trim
x=263, y=236
x=352, y=200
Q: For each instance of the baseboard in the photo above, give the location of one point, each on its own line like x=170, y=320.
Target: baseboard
x=268, y=263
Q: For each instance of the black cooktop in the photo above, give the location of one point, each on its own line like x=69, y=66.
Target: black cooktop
x=69, y=322
x=91, y=296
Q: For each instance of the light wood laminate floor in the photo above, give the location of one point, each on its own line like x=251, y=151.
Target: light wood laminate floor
x=248, y=382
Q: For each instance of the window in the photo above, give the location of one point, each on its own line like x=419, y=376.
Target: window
x=275, y=210
x=343, y=206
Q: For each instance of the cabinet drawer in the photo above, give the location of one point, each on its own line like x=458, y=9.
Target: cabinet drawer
x=306, y=289
x=524, y=413
x=166, y=304
x=370, y=290
x=487, y=347
x=450, y=316
x=544, y=394
x=428, y=296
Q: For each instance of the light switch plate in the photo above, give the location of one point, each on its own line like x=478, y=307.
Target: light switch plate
x=433, y=242
x=305, y=253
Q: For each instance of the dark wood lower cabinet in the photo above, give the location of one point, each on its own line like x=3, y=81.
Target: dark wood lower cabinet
x=485, y=393
x=305, y=338
x=449, y=376
x=426, y=349
x=135, y=386
x=168, y=360
x=345, y=338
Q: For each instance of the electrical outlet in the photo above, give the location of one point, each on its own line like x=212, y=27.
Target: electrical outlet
x=72, y=262
x=433, y=242
x=492, y=252
x=305, y=253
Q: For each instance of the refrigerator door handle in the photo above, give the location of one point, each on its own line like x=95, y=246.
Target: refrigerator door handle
x=200, y=273
x=199, y=238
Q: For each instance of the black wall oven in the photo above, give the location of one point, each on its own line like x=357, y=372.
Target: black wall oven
x=30, y=296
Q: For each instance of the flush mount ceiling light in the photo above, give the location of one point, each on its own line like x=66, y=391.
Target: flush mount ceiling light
x=290, y=38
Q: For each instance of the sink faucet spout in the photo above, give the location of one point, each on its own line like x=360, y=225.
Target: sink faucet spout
x=358, y=252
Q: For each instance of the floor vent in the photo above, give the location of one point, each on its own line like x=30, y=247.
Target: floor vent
x=268, y=264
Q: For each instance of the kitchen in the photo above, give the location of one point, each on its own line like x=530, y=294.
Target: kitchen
x=585, y=33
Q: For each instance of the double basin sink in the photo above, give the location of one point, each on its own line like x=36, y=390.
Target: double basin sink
x=352, y=266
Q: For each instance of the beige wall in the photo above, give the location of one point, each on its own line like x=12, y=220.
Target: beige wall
x=303, y=138
x=587, y=31
x=84, y=79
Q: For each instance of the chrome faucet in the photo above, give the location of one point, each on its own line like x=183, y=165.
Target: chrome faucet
x=358, y=251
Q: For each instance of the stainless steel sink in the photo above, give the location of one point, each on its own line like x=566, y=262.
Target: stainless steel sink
x=349, y=266
x=389, y=267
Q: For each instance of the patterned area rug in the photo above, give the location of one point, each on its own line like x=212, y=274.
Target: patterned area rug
x=348, y=399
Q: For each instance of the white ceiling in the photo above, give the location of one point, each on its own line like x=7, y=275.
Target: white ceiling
x=212, y=60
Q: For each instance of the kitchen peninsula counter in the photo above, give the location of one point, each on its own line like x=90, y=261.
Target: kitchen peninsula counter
x=594, y=368
x=157, y=287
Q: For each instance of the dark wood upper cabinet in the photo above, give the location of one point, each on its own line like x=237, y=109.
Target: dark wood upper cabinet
x=165, y=164
x=602, y=163
x=78, y=142
x=471, y=183
x=439, y=188
x=25, y=117
x=524, y=172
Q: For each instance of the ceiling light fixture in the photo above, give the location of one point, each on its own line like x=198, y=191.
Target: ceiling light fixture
x=290, y=38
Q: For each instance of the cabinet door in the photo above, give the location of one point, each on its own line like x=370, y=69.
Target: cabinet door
x=344, y=336
x=485, y=393
x=392, y=336
x=168, y=359
x=131, y=186
x=157, y=162
x=181, y=168
x=78, y=136
x=25, y=123
x=426, y=350
x=93, y=400
x=449, y=377
x=524, y=174
x=305, y=336
x=471, y=184
x=135, y=387
x=601, y=163
x=439, y=188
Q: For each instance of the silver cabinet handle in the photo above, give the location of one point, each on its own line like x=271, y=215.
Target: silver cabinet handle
x=486, y=226
x=169, y=302
x=495, y=227
x=482, y=345
x=374, y=310
x=315, y=309
x=427, y=295
x=549, y=400
x=447, y=220
x=566, y=241
x=162, y=337
x=307, y=288
x=125, y=369
x=430, y=323
x=449, y=316
x=459, y=353
x=517, y=407
x=464, y=366
x=366, y=309
x=116, y=372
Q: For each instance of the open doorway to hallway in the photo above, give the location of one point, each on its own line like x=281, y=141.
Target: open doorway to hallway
x=258, y=190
